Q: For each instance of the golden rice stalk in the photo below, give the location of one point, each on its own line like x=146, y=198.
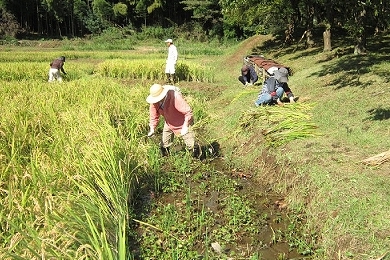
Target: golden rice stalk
x=280, y=125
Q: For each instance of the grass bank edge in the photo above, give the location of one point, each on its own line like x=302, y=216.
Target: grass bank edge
x=304, y=180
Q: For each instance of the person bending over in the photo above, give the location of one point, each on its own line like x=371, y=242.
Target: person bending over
x=273, y=89
x=56, y=67
x=168, y=102
x=248, y=75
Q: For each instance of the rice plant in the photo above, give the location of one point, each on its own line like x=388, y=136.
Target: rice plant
x=153, y=70
x=69, y=157
x=280, y=125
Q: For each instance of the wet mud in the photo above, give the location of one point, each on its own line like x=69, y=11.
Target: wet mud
x=268, y=211
x=271, y=244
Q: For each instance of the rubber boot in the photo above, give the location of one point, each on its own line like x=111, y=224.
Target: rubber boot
x=196, y=152
x=291, y=97
x=173, y=79
x=164, y=151
x=168, y=78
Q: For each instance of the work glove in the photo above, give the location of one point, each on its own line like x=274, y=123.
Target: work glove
x=292, y=100
x=184, y=130
x=246, y=84
x=151, y=132
x=280, y=103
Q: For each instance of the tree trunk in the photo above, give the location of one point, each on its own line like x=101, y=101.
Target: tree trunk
x=309, y=40
x=360, y=46
x=58, y=28
x=289, y=32
x=39, y=20
x=327, y=40
x=309, y=25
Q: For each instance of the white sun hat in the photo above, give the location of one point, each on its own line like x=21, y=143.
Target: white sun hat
x=157, y=93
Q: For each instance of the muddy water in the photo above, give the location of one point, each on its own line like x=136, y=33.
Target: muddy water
x=271, y=243
x=264, y=201
x=271, y=204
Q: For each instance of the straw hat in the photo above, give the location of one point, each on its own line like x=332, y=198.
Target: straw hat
x=281, y=75
x=157, y=92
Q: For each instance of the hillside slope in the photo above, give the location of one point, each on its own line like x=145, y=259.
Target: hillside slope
x=341, y=203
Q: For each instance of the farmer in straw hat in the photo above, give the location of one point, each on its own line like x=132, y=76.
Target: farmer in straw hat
x=273, y=89
x=167, y=101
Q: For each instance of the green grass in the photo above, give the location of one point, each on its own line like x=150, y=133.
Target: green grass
x=343, y=201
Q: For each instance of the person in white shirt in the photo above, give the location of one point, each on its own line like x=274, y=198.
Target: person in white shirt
x=171, y=61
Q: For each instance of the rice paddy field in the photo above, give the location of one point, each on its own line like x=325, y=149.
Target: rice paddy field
x=73, y=152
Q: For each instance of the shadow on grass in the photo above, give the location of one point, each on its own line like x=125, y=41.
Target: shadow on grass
x=351, y=67
x=348, y=67
x=278, y=47
x=378, y=114
x=380, y=44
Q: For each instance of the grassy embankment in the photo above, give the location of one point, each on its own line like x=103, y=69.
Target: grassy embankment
x=343, y=202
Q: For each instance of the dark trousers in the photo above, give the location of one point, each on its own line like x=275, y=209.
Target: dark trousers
x=242, y=80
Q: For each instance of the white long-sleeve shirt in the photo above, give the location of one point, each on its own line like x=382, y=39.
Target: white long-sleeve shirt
x=172, y=54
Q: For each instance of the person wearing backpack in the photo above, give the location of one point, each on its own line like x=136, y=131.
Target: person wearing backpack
x=273, y=89
x=167, y=101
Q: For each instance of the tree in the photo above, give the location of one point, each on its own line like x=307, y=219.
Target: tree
x=8, y=24
x=238, y=18
x=102, y=9
x=207, y=13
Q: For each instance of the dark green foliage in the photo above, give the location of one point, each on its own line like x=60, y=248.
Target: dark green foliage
x=93, y=23
x=199, y=20
x=9, y=26
x=156, y=32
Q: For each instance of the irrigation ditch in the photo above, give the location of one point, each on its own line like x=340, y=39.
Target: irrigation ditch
x=204, y=209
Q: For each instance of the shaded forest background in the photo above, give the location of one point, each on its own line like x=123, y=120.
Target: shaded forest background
x=201, y=20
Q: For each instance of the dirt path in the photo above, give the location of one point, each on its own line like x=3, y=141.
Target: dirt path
x=245, y=48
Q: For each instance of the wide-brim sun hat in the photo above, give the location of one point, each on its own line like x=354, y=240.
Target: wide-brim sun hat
x=281, y=75
x=169, y=40
x=157, y=93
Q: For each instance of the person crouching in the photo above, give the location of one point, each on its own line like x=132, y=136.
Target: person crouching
x=248, y=75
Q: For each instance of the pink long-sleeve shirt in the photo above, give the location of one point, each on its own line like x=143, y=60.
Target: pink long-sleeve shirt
x=175, y=111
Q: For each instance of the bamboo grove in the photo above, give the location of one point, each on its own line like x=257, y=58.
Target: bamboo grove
x=213, y=18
